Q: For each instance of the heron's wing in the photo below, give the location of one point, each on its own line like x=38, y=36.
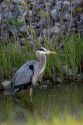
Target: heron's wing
x=24, y=74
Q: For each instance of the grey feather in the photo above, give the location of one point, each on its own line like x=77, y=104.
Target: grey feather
x=24, y=74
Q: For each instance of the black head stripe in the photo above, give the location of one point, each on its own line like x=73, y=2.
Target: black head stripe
x=41, y=49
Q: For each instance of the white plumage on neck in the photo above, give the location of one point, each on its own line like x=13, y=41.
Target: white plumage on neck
x=42, y=60
x=41, y=66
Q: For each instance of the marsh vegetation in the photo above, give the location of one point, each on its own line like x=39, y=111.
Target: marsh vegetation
x=67, y=63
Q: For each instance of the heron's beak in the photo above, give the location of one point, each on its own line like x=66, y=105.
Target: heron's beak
x=50, y=52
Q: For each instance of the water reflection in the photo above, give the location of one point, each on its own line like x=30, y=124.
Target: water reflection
x=16, y=111
x=23, y=111
x=58, y=101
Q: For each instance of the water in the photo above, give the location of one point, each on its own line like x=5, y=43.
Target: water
x=61, y=101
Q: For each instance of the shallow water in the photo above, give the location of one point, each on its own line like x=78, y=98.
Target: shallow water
x=61, y=101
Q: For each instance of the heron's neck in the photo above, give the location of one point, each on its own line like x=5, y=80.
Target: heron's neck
x=42, y=59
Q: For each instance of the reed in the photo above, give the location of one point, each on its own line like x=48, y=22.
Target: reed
x=11, y=58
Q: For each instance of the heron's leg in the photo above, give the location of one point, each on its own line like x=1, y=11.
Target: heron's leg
x=31, y=93
x=22, y=91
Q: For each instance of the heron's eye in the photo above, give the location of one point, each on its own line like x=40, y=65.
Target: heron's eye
x=41, y=49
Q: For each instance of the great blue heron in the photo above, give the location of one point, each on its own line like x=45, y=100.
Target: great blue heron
x=30, y=72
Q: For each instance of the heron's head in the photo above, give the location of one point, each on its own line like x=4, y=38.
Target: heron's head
x=44, y=51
